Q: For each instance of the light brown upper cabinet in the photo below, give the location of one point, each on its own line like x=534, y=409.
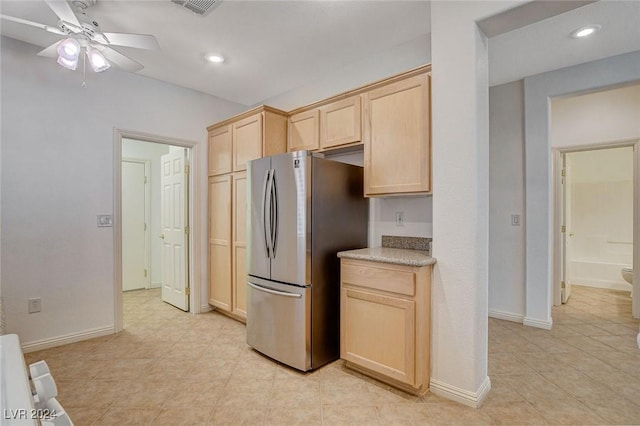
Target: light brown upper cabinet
x=340, y=122
x=397, y=152
x=254, y=134
x=247, y=141
x=220, y=150
x=303, y=131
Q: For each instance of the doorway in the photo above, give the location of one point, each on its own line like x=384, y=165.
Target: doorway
x=136, y=224
x=155, y=201
x=169, y=197
x=596, y=199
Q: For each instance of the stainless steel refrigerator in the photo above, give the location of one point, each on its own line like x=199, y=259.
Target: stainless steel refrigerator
x=303, y=209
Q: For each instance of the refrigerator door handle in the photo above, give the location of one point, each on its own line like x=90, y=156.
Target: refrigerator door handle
x=275, y=292
x=266, y=193
x=276, y=218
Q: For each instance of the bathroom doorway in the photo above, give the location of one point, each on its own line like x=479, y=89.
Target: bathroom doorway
x=595, y=201
x=591, y=122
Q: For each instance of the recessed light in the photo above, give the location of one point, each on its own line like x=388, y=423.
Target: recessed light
x=585, y=31
x=212, y=57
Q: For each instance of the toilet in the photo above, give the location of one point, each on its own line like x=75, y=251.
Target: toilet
x=627, y=274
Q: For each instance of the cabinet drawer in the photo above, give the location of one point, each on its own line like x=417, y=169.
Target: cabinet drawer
x=394, y=279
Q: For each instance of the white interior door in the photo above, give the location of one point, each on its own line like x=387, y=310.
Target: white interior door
x=134, y=230
x=174, y=229
x=565, y=290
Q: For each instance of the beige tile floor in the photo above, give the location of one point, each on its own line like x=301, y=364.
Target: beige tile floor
x=172, y=368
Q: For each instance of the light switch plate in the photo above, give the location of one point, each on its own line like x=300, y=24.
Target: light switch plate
x=515, y=220
x=105, y=220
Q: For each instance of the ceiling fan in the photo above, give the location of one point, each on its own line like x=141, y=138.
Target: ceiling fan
x=82, y=32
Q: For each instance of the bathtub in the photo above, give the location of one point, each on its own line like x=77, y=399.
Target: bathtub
x=592, y=273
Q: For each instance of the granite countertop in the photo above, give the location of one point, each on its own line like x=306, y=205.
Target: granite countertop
x=396, y=256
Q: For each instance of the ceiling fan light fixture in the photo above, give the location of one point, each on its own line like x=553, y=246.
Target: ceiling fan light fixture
x=97, y=60
x=69, y=49
x=70, y=64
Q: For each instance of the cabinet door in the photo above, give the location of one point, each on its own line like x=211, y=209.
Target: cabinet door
x=220, y=242
x=220, y=151
x=303, y=131
x=378, y=333
x=247, y=141
x=397, y=138
x=240, y=245
x=340, y=122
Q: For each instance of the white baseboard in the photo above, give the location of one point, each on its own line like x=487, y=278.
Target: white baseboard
x=610, y=285
x=156, y=285
x=465, y=397
x=38, y=345
x=205, y=308
x=507, y=316
x=532, y=322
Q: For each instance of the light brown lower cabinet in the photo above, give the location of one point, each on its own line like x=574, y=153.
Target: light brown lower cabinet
x=385, y=322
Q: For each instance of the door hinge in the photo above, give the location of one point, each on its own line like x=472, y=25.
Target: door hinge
x=563, y=229
x=145, y=273
x=145, y=226
x=186, y=230
x=563, y=284
x=563, y=173
x=187, y=169
x=187, y=291
x=145, y=179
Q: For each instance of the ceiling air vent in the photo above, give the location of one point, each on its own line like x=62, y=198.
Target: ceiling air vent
x=199, y=7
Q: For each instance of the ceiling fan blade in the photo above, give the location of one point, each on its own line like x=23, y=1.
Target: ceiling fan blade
x=119, y=60
x=139, y=41
x=64, y=12
x=51, y=51
x=47, y=28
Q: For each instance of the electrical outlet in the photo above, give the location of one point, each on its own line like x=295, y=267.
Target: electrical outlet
x=515, y=220
x=35, y=305
x=399, y=218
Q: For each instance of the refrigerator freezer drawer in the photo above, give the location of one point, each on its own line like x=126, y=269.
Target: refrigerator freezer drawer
x=279, y=322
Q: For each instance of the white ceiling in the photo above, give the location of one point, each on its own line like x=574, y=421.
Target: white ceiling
x=272, y=47
x=546, y=45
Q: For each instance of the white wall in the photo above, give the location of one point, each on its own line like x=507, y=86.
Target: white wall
x=57, y=175
x=539, y=89
x=460, y=134
x=506, y=197
x=418, y=217
x=152, y=152
x=605, y=116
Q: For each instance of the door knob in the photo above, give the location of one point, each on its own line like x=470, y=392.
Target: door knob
x=162, y=236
